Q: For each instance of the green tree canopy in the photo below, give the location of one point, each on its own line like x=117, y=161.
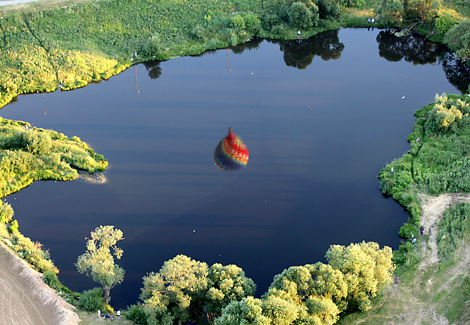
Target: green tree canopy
x=300, y=16
x=390, y=11
x=247, y=311
x=98, y=260
x=310, y=289
x=366, y=269
x=423, y=10
x=176, y=292
x=226, y=283
x=458, y=39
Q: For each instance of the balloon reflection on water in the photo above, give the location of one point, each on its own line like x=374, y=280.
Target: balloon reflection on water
x=231, y=153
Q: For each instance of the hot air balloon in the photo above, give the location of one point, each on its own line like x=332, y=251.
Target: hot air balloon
x=231, y=153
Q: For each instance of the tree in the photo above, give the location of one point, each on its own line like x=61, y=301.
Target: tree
x=247, y=311
x=153, y=46
x=306, y=289
x=300, y=16
x=390, y=11
x=445, y=116
x=329, y=283
x=366, y=269
x=176, y=292
x=423, y=10
x=98, y=260
x=458, y=39
x=226, y=284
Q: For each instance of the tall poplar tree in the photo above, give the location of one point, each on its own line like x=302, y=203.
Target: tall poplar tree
x=98, y=261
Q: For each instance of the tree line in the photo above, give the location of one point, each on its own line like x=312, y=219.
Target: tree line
x=185, y=290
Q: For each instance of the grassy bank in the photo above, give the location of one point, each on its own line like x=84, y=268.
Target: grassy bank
x=432, y=283
x=28, y=154
x=436, y=163
x=68, y=47
x=68, y=44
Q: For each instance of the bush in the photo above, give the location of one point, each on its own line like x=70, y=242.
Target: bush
x=407, y=230
x=37, y=143
x=446, y=115
x=13, y=227
x=444, y=23
x=198, y=32
x=153, y=46
x=136, y=314
x=92, y=300
x=238, y=22
x=6, y=212
x=252, y=23
x=51, y=279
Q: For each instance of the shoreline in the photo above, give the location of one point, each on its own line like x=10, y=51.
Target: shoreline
x=44, y=306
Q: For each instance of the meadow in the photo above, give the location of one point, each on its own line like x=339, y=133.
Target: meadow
x=68, y=44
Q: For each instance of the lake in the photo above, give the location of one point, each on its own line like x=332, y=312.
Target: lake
x=320, y=118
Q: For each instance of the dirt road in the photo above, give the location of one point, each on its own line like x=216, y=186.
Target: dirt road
x=25, y=299
x=13, y=2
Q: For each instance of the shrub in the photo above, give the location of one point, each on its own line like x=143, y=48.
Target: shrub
x=445, y=115
x=444, y=23
x=252, y=23
x=13, y=227
x=37, y=143
x=198, y=32
x=238, y=22
x=407, y=255
x=6, y=212
x=153, y=46
x=92, y=300
x=136, y=314
x=50, y=278
x=407, y=230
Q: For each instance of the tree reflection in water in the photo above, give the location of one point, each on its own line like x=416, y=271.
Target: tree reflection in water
x=412, y=48
x=154, y=69
x=300, y=53
x=457, y=72
x=417, y=49
x=251, y=45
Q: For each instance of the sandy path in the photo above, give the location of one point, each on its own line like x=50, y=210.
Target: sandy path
x=25, y=299
x=418, y=311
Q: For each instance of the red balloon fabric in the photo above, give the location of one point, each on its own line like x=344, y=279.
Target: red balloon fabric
x=231, y=153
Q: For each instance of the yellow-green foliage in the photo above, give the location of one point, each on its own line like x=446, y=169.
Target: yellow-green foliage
x=32, y=253
x=367, y=270
x=28, y=154
x=3, y=231
x=447, y=115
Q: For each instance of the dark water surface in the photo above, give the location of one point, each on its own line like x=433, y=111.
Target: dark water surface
x=320, y=119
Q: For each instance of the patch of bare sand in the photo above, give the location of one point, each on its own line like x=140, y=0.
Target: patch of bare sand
x=414, y=310
x=25, y=299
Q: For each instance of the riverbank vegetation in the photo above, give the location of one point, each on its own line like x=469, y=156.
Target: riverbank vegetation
x=28, y=154
x=188, y=290
x=437, y=162
x=70, y=46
